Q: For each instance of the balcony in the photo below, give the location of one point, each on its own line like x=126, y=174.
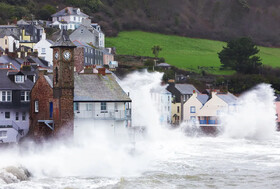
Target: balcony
x=206, y=123
x=11, y=124
x=118, y=115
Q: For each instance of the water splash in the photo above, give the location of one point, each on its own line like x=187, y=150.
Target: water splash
x=255, y=117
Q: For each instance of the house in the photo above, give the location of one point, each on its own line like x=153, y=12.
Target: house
x=163, y=66
x=43, y=47
x=8, y=41
x=86, y=35
x=15, y=87
x=162, y=99
x=100, y=101
x=193, y=105
x=101, y=35
x=69, y=18
x=61, y=102
x=180, y=94
x=209, y=114
x=30, y=34
x=107, y=57
x=86, y=55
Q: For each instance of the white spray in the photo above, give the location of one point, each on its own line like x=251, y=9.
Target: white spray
x=255, y=117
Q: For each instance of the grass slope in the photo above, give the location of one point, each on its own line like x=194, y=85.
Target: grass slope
x=182, y=52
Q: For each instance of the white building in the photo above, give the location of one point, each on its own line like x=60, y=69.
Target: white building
x=209, y=114
x=193, y=105
x=162, y=100
x=8, y=41
x=99, y=101
x=44, y=49
x=68, y=18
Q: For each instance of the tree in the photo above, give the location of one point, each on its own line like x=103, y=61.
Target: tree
x=240, y=55
x=156, y=50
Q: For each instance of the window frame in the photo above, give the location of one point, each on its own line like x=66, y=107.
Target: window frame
x=7, y=115
x=36, y=106
x=103, y=106
x=192, y=109
x=6, y=96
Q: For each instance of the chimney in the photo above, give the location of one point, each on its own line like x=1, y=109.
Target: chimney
x=26, y=66
x=102, y=71
x=88, y=70
x=12, y=54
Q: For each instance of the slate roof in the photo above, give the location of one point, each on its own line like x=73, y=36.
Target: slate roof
x=203, y=98
x=277, y=98
x=63, y=40
x=7, y=84
x=98, y=88
x=6, y=60
x=8, y=33
x=68, y=11
x=228, y=98
x=186, y=88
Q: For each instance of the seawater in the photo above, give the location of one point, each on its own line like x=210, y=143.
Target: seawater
x=245, y=155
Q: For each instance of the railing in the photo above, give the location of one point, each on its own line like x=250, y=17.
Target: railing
x=11, y=124
x=209, y=122
x=104, y=115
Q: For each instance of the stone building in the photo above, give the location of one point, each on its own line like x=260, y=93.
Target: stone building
x=51, y=112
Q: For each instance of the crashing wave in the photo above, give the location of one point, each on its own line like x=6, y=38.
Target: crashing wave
x=13, y=174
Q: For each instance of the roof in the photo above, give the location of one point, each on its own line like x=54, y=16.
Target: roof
x=277, y=98
x=163, y=65
x=6, y=60
x=7, y=84
x=22, y=22
x=50, y=41
x=8, y=33
x=228, y=98
x=98, y=88
x=186, y=88
x=63, y=40
x=69, y=11
x=203, y=98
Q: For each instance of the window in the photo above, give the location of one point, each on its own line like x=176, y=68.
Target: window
x=74, y=18
x=7, y=115
x=17, y=116
x=19, y=78
x=36, y=104
x=168, y=98
x=76, y=106
x=192, y=109
x=103, y=106
x=178, y=109
x=3, y=134
x=23, y=116
x=24, y=96
x=6, y=41
x=89, y=107
x=6, y=96
x=43, y=50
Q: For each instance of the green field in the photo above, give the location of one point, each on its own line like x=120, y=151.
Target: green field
x=182, y=52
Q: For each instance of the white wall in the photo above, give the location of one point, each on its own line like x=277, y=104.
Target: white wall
x=192, y=101
x=43, y=43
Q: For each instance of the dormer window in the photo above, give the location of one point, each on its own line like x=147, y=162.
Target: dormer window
x=19, y=78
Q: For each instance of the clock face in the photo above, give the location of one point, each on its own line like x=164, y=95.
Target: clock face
x=67, y=55
x=56, y=55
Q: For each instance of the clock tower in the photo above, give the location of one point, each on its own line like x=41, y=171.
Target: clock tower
x=63, y=85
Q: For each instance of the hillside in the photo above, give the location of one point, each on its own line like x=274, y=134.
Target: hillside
x=182, y=52
x=209, y=19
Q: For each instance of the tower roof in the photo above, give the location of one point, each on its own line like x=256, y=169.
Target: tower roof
x=63, y=40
